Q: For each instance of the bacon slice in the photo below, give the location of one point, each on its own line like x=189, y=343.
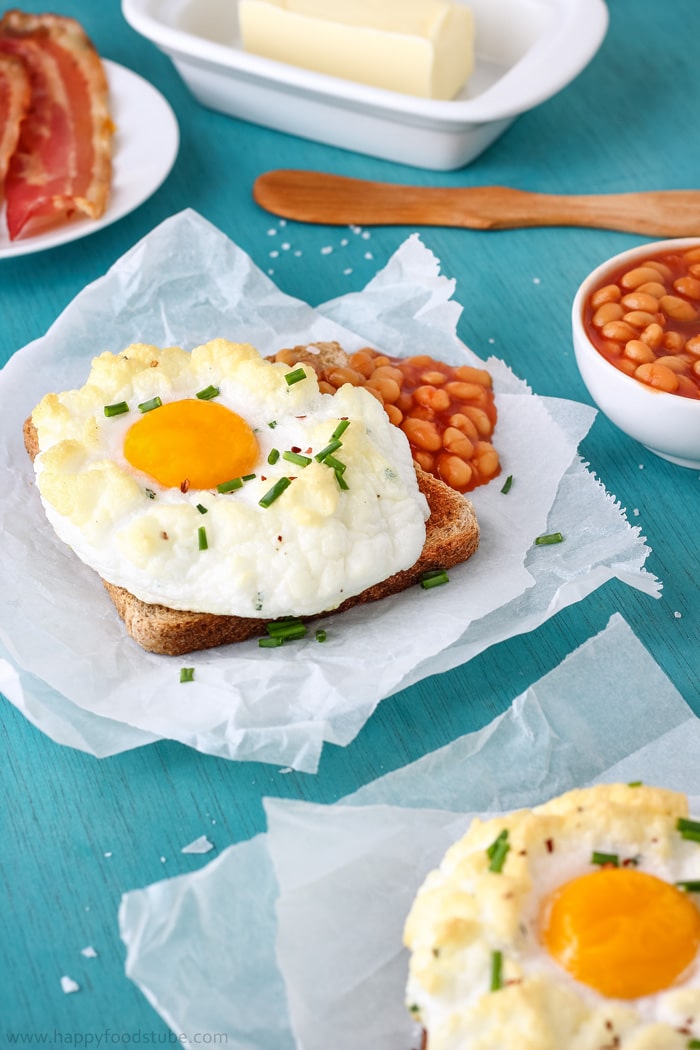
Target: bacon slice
x=14, y=103
x=62, y=166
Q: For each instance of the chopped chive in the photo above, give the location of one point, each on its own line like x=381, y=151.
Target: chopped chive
x=685, y=824
x=202, y=538
x=548, y=538
x=605, y=858
x=148, y=406
x=434, y=578
x=295, y=377
x=229, y=486
x=274, y=456
x=150, y=493
x=321, y=634
x=270, y=641
x=272, y=424
x=507, y=485
x=331, y=447
x=187, y=674
x=288, y=630
x=202, y=509
x=414, y=1008
x=342, y=483
x=341, y=428
x=277, y=489
x=116, y=410
x=693, y=1044
x=498, y=851
x=208, y=393
x=335, y=464
x=248, y=477
x=297, y=457
x=634, y=784
x=496, y=971
x=691, y=885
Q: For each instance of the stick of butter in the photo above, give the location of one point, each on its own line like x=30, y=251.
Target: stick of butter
x=418, y=47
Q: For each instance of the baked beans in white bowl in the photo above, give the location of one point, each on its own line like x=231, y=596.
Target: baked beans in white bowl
x=636, y=332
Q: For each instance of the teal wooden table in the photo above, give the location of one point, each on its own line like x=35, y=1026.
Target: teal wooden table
x=78, y=832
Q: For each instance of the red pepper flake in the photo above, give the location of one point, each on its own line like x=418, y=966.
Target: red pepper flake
x=185, y=485
x=549, y=843
x=296, y=448
x=164, y=535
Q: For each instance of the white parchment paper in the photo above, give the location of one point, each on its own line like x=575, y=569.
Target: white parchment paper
x=84, y=682
x=308, y=917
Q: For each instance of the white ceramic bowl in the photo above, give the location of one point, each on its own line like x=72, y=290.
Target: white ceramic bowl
x=525, y=53
x=666, y=424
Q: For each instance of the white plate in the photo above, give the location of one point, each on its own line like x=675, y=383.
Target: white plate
x=145, y=147
x=526, y=51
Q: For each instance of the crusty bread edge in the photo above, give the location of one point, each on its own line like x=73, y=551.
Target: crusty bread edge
x=452, y=536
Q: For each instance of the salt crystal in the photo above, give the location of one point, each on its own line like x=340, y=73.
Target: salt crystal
x=69, y=985
x=89, y=952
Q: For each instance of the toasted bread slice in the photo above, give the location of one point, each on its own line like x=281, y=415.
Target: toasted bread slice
x=452, y=536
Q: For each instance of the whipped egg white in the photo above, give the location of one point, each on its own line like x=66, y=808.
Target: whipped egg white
x=240, y=512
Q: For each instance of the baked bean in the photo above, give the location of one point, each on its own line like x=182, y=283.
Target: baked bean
x=639, y=318
x=433, y=378
x=486, y=459
x=687, y=387
x=380, y=360
x=654, y=288
x=432, y=397
x=678, y=309
x=325, y=387
x=405, y=401
x=638, y=275
x=455, y=441
x=425, y=460
x=609, y=294
x=362, y=362
x=422, y=433
x=461, y=391
x=388, y=372
x=608, y=312
x=454, y=471
x=389, y=389
x=469, y=374
x=673, y=341
x=638, y=351
x=375, y=393
x=661, y=268
x=689, y=286
x=658, y=376
x=619, y=330
x=340, y=376
x=627, y=366
x=652, y=335
x=421, y=412
x=676, y=364
x=640, y=301
x=419, y=361
x=480, y=420
x=465, y=424
x=657, y=338
x=395, y=415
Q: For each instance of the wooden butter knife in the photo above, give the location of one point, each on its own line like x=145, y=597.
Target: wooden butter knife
x=312, y=196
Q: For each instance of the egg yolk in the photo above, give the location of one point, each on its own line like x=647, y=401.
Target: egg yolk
x=191, y=444
x=622, y=931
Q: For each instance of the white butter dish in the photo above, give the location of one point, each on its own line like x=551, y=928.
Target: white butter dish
x=526, y=51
